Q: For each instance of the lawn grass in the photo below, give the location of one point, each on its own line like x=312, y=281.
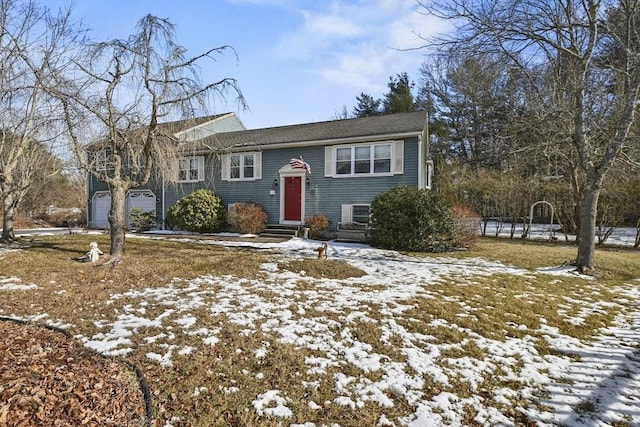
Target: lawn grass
x=611, y=263
x=217, y=384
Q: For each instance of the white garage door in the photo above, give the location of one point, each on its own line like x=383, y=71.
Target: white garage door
x=144, y=200
x=101, y=206
x=141, y=199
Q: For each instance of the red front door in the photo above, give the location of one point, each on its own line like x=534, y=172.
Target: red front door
x=293, y=198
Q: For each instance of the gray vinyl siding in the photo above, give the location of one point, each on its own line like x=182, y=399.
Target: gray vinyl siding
x=332, y=193
x=324, y=195
x=258, y=191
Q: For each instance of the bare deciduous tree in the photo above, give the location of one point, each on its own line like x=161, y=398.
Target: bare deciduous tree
x=593, y=47
x=115, y=97
x=31, y=39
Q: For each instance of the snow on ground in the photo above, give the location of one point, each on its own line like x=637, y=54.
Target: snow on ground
x=14, y=284
x=606, y=374
x=621, y=236
x=399, y=278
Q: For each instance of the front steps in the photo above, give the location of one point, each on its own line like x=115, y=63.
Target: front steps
x=281, y=230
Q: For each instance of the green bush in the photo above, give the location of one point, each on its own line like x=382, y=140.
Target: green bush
x=142, y=220
x=317, y=225
x=248, y=218
x=201, y=211
x=405, y=218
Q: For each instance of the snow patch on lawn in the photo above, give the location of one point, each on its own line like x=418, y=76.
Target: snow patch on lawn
x=580, y=384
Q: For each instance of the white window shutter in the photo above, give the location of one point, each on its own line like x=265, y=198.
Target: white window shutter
x=175, y=170
x=200, y=168
x=346, y=214
x=224, y=166
x=257, y=165
x=397, y=160
x=328, y=161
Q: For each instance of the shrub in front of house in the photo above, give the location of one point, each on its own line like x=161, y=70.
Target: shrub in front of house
x=317, y=225
x=201, y=211
x=248, y=218
x=407, y=219
x=466, y=226
x=142, y=220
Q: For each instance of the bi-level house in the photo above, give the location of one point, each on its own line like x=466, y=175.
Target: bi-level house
x=348, y=162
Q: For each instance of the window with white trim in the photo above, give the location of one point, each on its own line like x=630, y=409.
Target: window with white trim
x=241, y=166
x=363, y=159
x=360, y=214
x=380, y=158
x=190, y=169
x=104, y=161
x=355, y=214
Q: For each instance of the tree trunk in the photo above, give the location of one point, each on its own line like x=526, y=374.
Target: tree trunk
x=117, y=219
x=587, y=229
x=8, y=209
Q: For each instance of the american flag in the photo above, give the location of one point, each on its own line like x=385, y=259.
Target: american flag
x=300, y=164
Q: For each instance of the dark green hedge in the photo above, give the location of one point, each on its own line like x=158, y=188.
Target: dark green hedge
x=407, y=219
x=201, y=211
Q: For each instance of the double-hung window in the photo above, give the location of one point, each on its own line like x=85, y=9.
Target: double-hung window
x=191, y=169
x=363, y=160
x=241, y=166
x=104, y=161
x=384, y=158
x=360, y=214
x=355, y=214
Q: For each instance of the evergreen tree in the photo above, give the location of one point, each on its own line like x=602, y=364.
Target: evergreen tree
x=367, y=106
x=400, y=98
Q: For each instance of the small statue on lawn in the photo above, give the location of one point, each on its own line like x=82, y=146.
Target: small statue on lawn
x=322, y=251
x=93, y=255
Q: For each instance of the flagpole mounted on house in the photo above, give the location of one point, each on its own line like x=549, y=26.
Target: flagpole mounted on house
x=300, y=164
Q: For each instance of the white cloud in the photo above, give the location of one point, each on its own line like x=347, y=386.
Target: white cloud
x=361, y=70
x=358, y=45
x=330, y=26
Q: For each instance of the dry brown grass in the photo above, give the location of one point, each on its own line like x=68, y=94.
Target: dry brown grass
x=84, y=288
x=215, y=385
x=611, y=263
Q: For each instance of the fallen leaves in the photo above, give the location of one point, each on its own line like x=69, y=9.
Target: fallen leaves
x=49, y=379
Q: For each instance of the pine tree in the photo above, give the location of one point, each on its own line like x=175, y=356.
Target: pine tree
x=400, y=98
x=367, y=106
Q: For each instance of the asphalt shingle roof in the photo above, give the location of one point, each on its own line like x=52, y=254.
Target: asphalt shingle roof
x=376, y=126
x=180, y=125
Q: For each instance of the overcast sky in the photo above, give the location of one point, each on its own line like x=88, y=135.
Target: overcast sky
x=298, y=60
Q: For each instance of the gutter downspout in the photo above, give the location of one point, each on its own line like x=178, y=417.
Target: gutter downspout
x=164, y=219
x=420, y=163
x=87, y=182
x=426, y=163
x=424, y=171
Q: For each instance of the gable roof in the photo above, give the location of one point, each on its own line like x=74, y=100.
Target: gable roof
x=181, y=130
x=180, y=126
x=338, y=131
